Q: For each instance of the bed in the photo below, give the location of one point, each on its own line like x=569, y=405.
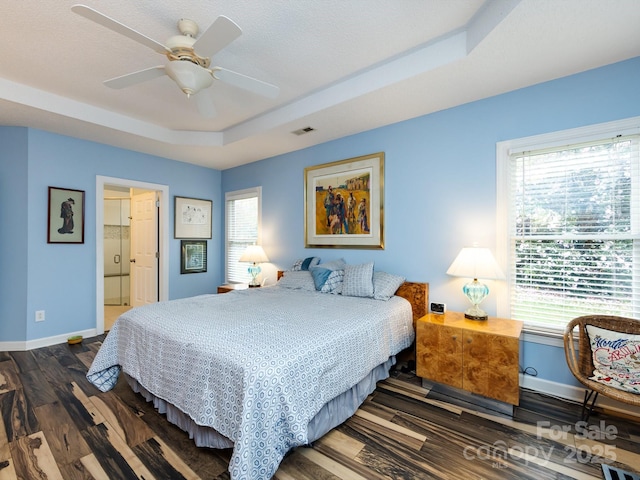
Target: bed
x=261, y=370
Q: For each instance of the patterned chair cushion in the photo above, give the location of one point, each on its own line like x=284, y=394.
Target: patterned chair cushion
x=616, y=358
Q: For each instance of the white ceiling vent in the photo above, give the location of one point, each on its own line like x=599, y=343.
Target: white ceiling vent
x=302, y=131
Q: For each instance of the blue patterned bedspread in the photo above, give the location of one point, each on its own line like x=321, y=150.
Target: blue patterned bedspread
x=257, y=364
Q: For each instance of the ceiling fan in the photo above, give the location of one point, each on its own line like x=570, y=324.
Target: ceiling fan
x=189, y=58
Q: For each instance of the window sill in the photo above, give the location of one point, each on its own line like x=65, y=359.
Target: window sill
x=543, y=335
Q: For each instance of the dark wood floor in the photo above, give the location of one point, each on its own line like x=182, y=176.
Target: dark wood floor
x=55, y=425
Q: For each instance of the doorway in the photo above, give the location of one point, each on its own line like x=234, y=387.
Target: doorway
x=114, y=228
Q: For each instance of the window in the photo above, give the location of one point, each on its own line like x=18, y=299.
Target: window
x=570, y=230
x=242, y=229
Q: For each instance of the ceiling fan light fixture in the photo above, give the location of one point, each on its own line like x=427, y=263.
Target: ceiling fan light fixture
x=191, y=78
x=189, y=58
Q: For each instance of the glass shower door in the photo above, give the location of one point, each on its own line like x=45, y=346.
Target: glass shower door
x=116, y=251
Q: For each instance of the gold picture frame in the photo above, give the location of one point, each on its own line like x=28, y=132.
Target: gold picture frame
x=344, y=203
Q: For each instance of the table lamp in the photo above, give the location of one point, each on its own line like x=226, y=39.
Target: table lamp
x=475, y=262
x=254, y=254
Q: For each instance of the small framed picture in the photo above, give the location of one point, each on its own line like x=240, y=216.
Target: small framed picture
x=192, y=218
x=193, y=258
x=65, y=222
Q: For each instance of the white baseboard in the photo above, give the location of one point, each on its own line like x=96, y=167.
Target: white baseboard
x=573, y=393
x=43, y=342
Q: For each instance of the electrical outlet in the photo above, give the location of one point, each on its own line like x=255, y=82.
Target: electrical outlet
x=39, y=315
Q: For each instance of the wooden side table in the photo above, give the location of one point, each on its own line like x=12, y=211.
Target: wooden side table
x=480, y=357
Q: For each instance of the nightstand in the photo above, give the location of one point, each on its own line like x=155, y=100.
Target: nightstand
x=227, y=287
x=476, y=356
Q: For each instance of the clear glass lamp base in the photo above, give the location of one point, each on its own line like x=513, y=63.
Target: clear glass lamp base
x=254, y=270
x=475, y=292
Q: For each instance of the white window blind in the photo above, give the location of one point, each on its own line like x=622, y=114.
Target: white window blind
x=242, y=230
x=574, y=231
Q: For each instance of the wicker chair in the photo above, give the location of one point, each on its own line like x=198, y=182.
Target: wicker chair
x=581, y=361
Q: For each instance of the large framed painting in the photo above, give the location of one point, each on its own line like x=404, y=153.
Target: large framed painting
x=65, y=222
x=192, y=218
x=344, y=203
x=193, y=256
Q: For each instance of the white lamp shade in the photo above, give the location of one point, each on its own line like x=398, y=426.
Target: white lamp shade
x=254, y=254
x=191, y=78
x=475, y=262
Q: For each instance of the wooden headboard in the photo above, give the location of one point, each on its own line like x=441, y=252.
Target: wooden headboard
x=418, y=296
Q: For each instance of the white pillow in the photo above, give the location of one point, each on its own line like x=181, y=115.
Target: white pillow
x=358, y=280
x=298, y=280
x=334, y=264
x=385, y=285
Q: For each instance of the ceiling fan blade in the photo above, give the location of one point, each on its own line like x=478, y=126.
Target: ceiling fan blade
x=118, y=27
x=205, y=104
x=247, y=83
x=135, y=77
x=219, y=34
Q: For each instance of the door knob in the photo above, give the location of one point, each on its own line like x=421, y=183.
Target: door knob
x=133, y=260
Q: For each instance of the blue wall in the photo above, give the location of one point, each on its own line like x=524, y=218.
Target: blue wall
x=61, y=278
x=440, y=182
x=13, y=219
x=440, y=195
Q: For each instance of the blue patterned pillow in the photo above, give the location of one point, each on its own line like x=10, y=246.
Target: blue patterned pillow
x=320, y=276
x=358, y=280
x=333, y=283
x=385, y=285
x=328, y=276
x=305, y=264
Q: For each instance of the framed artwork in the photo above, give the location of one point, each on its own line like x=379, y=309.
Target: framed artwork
x=66, y=216
x=193, y=257
x=343, y=203
x=192, y=218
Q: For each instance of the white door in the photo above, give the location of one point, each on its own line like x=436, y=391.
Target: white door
x=144, y=249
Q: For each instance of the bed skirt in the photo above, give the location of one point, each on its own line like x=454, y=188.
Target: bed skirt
x=330, y=415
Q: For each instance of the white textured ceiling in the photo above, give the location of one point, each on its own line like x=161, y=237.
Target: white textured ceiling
x=343, y=66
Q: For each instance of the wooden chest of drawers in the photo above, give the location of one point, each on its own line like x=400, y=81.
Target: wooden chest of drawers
x=481, y=357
